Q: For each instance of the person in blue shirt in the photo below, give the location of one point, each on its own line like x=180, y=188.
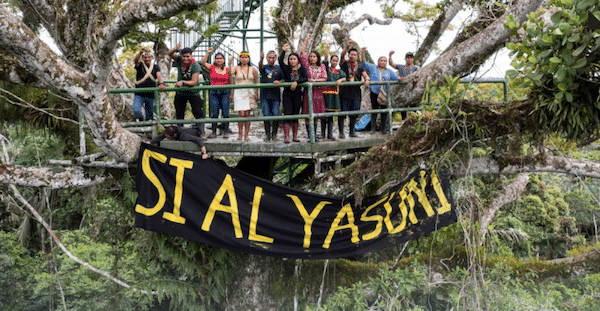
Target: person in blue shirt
x=377, y=72
x=270, y=98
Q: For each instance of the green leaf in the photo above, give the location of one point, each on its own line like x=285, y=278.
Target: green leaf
x=579, y=50
x=569, y=97
x=580, y=63
x=545, y=54
x=557, y=32
x=512, y=73
x=547, y=38
x=555, y=60
x=555, y=18
x=560, y=74
x=584, y=5
x=574, y=37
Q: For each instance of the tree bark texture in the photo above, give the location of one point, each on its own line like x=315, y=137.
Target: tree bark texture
x=465, y=57
x=87, y=34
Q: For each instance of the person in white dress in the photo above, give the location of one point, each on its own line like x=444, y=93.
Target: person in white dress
x=244, y=100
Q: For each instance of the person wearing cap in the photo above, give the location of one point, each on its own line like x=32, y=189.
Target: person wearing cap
x=188, y=72
x=147, y=75
x=404, y=70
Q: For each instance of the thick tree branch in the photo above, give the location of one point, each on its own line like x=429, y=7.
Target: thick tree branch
x=436, y=30
x=41, y=220
x=52, y=178
x=539, y=164
x=36, y=57
x=465, y=57
x=353, y=24
x=508, y=194
x=138, y=11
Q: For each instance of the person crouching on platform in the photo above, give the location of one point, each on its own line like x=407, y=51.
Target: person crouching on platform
x=147, y=74
x=270, y=98
x=181, y=134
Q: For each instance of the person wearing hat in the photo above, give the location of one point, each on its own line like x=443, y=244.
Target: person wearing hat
x=405, y=70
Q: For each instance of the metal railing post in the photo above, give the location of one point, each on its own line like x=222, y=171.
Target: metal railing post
x=504, y=83
x=81, y=134
x=390, y=113
x=311, y=115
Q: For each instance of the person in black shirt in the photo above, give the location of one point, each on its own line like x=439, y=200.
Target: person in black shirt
x=181, y=134
x=350, y=96
x=292, y=96
x=270, y=98
x=147, y=75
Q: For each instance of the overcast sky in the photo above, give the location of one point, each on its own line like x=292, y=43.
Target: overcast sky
x=380, y=39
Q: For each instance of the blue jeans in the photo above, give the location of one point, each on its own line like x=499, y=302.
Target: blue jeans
x=270, y=107
x=219, y=100
x=148, y=103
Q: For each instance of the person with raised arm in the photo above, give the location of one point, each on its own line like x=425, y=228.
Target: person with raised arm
x=350, y=96
x=244, y=99
x=270, y=98
x=147, y=74
x=404, y=70
x=188, y=73
x=316, y=73
x=218, y=99
x=408, y=68
x=292, y=95
x=377, y=72
x=331, y=93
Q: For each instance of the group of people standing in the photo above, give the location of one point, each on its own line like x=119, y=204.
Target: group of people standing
x=295, y=69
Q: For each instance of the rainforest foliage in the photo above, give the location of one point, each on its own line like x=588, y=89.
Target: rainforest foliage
x=539, y=250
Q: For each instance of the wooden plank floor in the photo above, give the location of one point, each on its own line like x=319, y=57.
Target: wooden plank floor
x=257, y=146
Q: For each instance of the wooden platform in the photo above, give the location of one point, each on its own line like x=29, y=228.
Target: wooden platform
x=303, y=149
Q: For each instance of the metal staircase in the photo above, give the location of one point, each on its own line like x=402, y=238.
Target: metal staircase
x=229, y=15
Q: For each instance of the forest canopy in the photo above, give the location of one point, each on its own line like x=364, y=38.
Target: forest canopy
x=523, y=172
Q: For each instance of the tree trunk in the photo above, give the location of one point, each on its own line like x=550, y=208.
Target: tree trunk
x=465, y=57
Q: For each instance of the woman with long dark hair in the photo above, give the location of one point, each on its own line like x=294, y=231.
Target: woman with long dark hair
x=292, y=96
x=218, y=99
x=316, y=72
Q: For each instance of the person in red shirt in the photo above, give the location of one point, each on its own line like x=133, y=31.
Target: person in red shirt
x=218, y=99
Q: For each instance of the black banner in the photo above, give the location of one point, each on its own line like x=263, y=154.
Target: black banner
x=208, y=202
